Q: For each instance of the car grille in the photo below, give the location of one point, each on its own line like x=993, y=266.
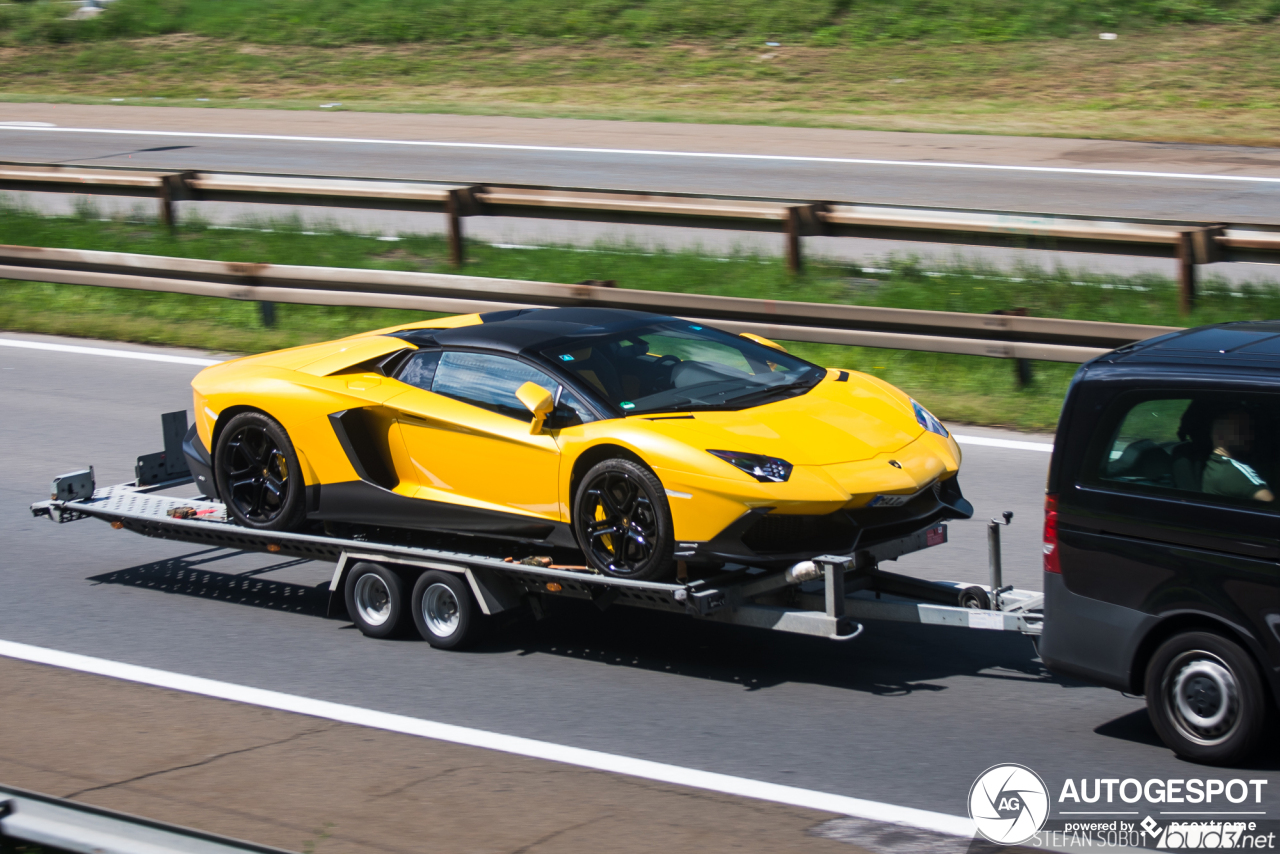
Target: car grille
x=777, y=534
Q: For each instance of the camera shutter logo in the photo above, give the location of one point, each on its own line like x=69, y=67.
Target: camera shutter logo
x=1009, y=804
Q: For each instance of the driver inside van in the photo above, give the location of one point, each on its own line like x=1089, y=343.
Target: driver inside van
x=1232, y=435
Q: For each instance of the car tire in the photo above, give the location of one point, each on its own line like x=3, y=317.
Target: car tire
x=621, y=496
x=445, y=610
x=258, y=474
x=375, y=599
x=1205, y=698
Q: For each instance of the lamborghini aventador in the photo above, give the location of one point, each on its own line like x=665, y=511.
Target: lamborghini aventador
x=640, y=439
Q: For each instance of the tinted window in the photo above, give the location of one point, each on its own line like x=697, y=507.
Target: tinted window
x=570, y=410
x=489, y=382
x=677, y=365
x=1217, y=447
x=420, y=370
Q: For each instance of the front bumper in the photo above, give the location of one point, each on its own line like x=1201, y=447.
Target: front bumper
x=764, y=538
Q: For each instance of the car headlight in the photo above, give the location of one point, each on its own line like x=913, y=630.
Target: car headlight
x=927, y=421
x=762, y=468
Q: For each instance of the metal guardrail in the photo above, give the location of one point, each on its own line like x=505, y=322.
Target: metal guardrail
x=70, y=826
x=999, y=336
x=1190, y=243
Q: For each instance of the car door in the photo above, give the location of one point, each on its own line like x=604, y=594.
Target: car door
x=1147, y=527
x=467, y=436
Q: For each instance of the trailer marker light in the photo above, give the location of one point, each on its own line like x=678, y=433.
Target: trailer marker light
x=554, y=587
x=117, y=524
x=273, y=547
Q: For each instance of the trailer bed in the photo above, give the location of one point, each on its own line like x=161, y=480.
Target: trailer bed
x=826, y=597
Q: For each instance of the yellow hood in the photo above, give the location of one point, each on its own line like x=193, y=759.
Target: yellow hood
x=835, y=422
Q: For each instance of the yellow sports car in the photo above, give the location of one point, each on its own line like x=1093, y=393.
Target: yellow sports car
x=641, y=440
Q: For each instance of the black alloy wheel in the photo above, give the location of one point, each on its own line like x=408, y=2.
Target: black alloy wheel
x=258, y=474
x=1206, y=698
x=622, y=521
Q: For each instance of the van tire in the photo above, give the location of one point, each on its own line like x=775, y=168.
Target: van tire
x=1206, y=698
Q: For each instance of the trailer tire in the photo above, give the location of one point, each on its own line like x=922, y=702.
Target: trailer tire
x=258, y=475
x=1206, y=698
x=445, y=610
x=974, y=597
x=375, y=599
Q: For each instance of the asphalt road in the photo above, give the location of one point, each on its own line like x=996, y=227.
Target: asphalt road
x=623, y=164
x=1081, y=176
x=908, y=715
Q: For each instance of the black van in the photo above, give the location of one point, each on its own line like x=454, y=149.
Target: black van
x=1162, y=533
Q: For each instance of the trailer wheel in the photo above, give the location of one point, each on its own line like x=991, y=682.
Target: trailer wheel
x=975, y=597
x=1205, y=698
x=375, y=599
x=445, y=611
x=622, y=521
x=258, y=474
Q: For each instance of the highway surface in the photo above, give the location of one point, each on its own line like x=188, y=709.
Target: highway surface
x=1201, y=183
x=907, y=715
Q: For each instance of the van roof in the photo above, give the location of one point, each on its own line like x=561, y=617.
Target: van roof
x=1229, y=346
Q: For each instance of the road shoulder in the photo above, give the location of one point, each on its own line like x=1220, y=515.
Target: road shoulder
x=306, y=784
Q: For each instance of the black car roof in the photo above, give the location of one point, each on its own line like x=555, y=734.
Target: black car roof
x=534, y=329
x=1224, y=347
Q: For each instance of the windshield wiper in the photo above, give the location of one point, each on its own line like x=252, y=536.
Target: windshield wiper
x=769, y=390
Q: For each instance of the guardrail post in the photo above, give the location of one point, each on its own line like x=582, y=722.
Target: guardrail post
x=1186, y=271
x=795, y=261
x=173, y=188
x=454, y=211
x=801, y=220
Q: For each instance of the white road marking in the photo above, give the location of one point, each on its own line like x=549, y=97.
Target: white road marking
x=102, y=351
x=27, y=125
x=858, y=161
x=1011, y=444
x=643, y=768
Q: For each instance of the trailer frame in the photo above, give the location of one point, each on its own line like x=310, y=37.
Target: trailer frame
x=826, y=597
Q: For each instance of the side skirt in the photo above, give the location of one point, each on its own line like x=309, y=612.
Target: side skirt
x=364, y=503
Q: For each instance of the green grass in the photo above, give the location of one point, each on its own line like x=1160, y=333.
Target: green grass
x=958, y=388
x=1198, y=84
x=828, y=23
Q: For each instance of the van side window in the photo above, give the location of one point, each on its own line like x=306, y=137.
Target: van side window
x=1217, y=447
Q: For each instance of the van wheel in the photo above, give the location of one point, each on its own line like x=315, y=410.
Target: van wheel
x=622, y=521
x=1205, y=698
x=445, y=611
x=375, y=599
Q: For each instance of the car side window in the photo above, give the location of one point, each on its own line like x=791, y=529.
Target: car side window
x=420, y=369
x=487, y=381
x=570, y=411
x=1217, y=447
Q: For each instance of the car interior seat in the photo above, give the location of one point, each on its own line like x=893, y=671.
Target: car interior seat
x=1191, y=454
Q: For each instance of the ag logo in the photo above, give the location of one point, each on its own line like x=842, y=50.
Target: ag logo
x=1009, y=804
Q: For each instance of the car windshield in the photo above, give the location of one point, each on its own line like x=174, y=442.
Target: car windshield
x=680, y=366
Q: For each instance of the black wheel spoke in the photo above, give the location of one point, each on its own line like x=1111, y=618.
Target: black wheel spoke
x=257, y=474
x=602, y=495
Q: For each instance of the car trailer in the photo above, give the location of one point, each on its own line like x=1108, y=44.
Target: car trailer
x=379, y=584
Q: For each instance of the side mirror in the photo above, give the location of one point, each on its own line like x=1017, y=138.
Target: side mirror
x=537, y=400
x=760, y=339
